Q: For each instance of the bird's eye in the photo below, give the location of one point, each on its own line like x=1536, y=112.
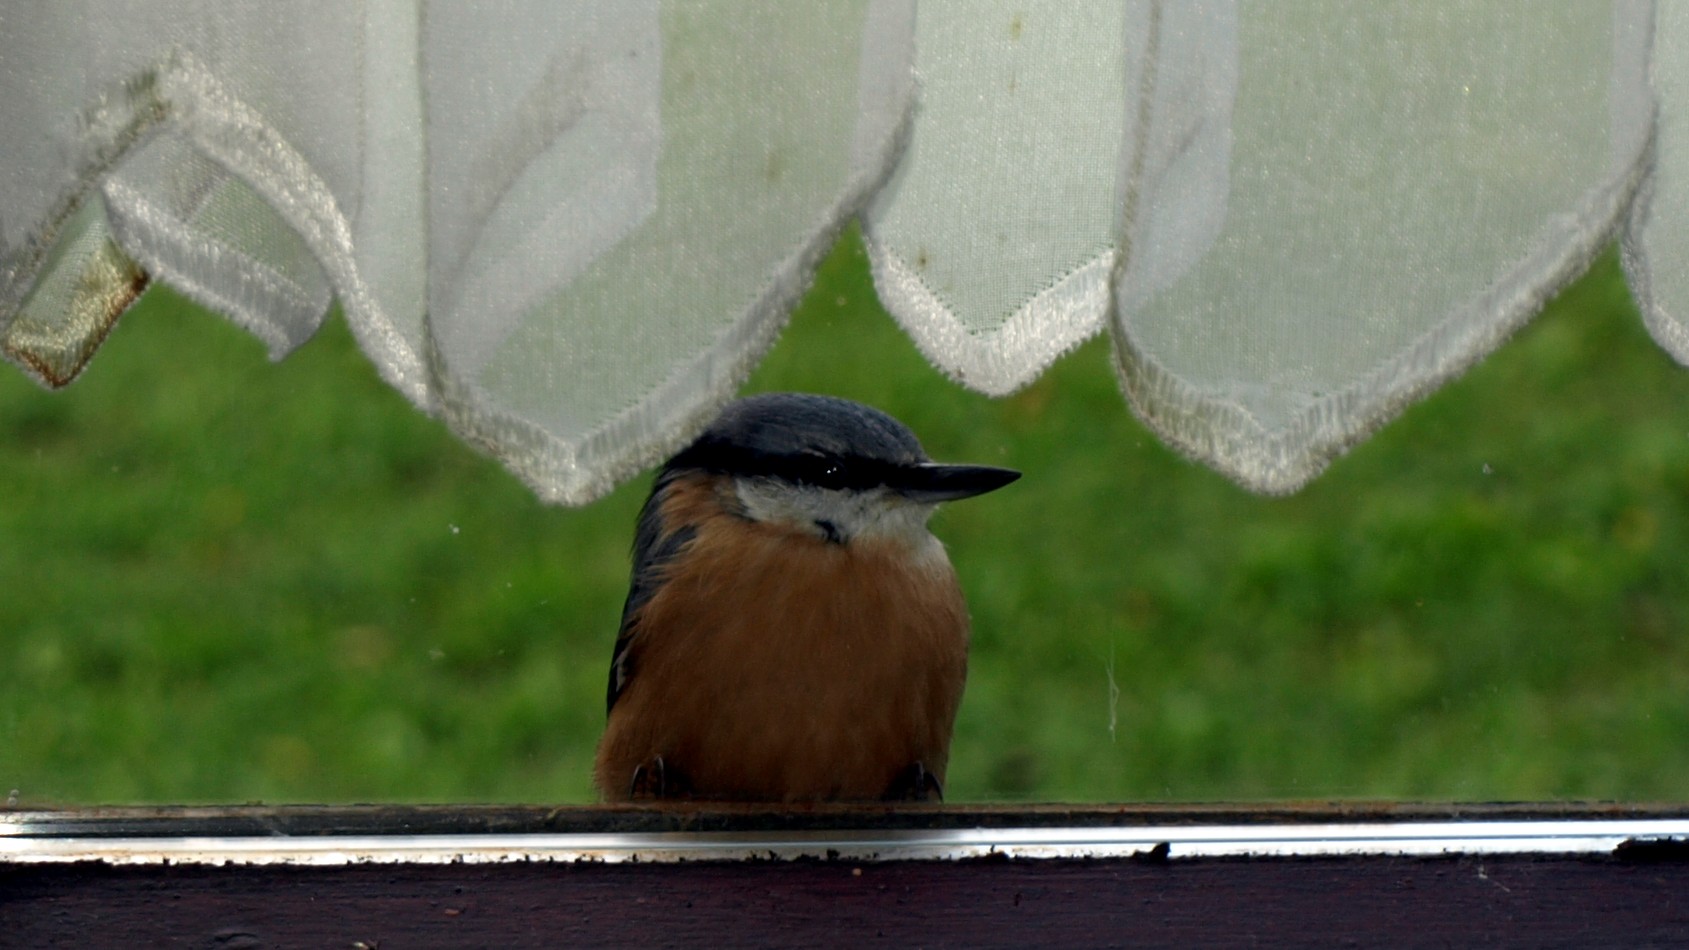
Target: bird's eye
x=827, y=475
x=821, y=472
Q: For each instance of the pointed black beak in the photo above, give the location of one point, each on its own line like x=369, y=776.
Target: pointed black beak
x=933, y=482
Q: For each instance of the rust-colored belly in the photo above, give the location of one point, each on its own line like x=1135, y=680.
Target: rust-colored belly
x=776, y=666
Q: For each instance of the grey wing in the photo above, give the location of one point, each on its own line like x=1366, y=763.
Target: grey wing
x=654, y=546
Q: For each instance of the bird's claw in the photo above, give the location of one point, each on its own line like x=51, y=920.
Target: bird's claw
x=915, y=784
x=654, y=779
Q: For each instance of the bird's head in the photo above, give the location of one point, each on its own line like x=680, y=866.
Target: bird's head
x=829, y=467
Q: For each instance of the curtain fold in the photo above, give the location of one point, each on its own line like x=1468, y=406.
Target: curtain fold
x=571, y=229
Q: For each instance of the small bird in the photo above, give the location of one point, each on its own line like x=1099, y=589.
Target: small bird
x=793, y=631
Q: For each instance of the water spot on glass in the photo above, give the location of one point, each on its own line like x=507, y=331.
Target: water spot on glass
x=364, y=647
x=1113, y=695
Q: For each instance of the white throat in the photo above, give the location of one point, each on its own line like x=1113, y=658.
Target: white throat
x=838, y=515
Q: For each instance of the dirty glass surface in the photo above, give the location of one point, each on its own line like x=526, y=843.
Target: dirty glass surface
x=241, y=581
x=1300, y=237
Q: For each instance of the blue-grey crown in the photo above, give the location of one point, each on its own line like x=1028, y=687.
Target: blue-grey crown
x=773, y=425
x=827, y=442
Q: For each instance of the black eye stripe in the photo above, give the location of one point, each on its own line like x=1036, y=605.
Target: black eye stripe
x=821, y=471
x=812, y=470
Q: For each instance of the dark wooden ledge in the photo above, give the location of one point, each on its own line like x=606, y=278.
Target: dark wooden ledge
x=404, y=876
x=202, y=820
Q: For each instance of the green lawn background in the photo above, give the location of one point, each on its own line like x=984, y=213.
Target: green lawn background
x=227, y=580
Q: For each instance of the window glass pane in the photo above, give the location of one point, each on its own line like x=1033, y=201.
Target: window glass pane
x=223, y=579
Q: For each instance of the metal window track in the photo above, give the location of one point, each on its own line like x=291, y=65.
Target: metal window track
x=398, y=836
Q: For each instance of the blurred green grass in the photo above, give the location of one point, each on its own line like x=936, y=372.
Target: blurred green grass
x=225, y=580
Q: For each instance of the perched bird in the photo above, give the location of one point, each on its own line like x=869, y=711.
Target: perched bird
x=793, y=632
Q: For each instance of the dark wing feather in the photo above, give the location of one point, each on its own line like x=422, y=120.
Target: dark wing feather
x=655, y=544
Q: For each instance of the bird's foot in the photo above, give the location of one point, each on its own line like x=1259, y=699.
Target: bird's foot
x=654, y=778
x=915, y=784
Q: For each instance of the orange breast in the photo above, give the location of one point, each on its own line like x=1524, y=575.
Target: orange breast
x=773, y=665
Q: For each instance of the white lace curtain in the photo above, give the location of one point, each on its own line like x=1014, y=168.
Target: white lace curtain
x=571, y=228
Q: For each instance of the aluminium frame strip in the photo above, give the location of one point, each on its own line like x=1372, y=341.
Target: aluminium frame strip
x=25, y=842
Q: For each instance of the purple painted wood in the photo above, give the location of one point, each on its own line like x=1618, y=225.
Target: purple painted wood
x=1364, y=901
